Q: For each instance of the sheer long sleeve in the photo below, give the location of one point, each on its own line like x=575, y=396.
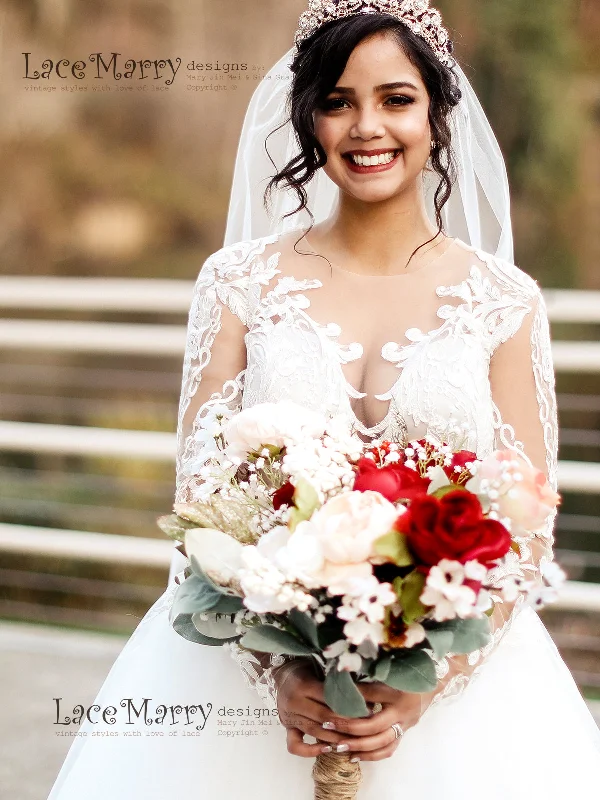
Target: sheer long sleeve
x=212, y=387
x=524, y=402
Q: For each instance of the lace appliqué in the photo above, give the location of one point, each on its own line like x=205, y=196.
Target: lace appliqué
x=443, y=374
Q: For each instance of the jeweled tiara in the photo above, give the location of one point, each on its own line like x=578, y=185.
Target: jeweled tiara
x=417, y=15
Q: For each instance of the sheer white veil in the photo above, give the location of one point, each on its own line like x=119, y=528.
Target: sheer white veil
x=478, y=211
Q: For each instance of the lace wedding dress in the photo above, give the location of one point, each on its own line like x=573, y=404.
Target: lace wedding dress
x=458, y=348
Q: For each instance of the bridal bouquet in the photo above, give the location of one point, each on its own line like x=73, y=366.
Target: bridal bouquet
x=372, y=559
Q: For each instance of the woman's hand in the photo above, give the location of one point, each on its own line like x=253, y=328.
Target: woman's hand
x=373, y=738
x=302, y=709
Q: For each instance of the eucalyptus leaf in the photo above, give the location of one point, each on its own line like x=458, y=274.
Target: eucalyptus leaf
x=184, y=626
x=194, y=594
x=393, y=545
x=270, y=639
x=306, y=626
x=228, y=604
x=469, y=634
x=413, y=672
x=200, y=573
x=382, y=668
x=440, y=641
x=215, y=626
x=342, y=695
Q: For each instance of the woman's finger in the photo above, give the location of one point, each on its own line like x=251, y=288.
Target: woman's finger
x=362, y=726
x=378, y=755
x=311, y=728
x=378, y=692
x=370, y=743
x=298, y=747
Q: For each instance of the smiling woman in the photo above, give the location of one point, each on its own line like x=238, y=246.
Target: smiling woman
x=403, y=316
x=343, y=104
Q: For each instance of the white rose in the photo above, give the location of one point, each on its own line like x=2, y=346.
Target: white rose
x=219, y=555
x=349, y=523
x=345, y=528
x=276, y=424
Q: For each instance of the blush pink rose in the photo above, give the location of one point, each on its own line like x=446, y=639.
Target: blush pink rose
x=528, y=501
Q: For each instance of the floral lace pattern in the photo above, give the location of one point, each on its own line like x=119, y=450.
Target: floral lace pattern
x=443, y=380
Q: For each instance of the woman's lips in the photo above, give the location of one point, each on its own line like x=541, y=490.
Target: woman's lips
x=376, y=168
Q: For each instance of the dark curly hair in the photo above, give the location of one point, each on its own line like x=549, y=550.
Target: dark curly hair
x=318, y=64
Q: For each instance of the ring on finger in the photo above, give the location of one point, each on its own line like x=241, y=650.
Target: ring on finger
x=398, y=732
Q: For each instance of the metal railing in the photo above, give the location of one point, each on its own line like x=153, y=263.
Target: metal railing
x=173, y=297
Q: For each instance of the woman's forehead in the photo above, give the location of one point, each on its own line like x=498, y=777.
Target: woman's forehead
x=379, y=59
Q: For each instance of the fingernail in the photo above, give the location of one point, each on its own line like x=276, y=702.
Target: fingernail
x=341, y=748
x=330, y=726
x=326, y=749
x=354, y=759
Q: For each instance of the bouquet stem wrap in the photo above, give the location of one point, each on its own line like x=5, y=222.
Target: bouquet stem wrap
x=336, y=777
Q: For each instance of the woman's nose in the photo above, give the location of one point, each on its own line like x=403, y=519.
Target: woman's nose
x=367, y=123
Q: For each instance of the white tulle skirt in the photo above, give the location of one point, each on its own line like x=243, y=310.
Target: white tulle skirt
x=519, y=731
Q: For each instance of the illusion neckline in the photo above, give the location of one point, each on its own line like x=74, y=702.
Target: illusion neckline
x=396, y=276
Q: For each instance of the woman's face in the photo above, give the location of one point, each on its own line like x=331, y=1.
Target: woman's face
x=379, y=107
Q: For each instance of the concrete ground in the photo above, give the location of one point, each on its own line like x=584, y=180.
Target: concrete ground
x=37, y=664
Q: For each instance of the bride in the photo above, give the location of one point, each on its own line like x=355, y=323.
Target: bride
x=400, y=307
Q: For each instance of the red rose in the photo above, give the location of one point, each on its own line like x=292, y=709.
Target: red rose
x=459, y=459
x=284, y=495
x=453, y=527
x=394, y=481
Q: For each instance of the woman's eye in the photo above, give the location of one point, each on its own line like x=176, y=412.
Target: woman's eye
x=400, y=100
x=333, y=104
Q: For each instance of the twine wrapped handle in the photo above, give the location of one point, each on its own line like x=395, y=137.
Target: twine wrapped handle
x=336, y=777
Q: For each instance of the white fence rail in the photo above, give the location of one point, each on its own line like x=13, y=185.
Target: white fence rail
x=34, y=437
x=137, y=551
x=173, y=297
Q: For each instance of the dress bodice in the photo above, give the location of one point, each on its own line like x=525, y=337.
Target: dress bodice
x=401, y=356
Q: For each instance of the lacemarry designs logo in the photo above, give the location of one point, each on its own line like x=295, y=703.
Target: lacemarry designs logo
x=161, y=714
x=144, y=69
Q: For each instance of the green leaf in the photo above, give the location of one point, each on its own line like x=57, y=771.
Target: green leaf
x=306, y=626
x=329, y=632
x=199, y=572
x=342, y=695
x=410, y=592
x=269, y=639
x=393, y=545
x=227, y=604
x=440, y=641
x=194, y=594
x=173, y=526
x=215, y=626
x=469, y=634
x=185, y=627
x=306, y=501
x=444, y=490
x=382, y=668
x=413, y=672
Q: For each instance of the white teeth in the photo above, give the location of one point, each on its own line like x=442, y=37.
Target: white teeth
x=371, y=161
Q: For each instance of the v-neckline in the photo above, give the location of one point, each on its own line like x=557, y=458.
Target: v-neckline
x=323, y=331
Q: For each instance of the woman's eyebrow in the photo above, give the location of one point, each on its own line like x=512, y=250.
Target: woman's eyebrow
x=380, y=88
